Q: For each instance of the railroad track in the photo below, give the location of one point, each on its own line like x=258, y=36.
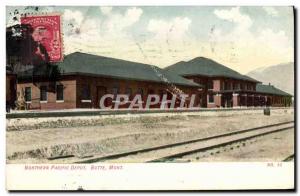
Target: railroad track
x=172, y=151
x=98, y=112
x=289, y=158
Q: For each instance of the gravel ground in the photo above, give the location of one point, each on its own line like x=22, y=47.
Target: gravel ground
x=269, y=148
x=22, y=124
x=152, y=155
x=35, y=145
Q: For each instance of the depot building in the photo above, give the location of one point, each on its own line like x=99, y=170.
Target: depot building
x=81, y=80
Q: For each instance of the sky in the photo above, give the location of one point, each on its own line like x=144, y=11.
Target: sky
x=242, y=38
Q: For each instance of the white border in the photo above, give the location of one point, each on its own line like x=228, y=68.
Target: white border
x=111, y=2
x=154, y=176
x=154, y=2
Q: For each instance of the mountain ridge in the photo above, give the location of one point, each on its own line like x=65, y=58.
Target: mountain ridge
x=280, y=75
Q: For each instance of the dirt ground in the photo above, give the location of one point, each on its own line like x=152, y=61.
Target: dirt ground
x=35, y=145
x=273, y=147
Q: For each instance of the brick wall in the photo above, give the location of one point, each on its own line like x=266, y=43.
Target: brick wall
x=110, y=83
x=51, y=103
x=74, y=85
x=10, y=89
x=218, y=85
x=73, y=91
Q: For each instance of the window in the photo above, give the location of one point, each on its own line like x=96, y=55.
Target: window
x=86, y=93
x=236, y=86
x=211, y=98
x=115, y=91
x=243, y=86
x=140, y=92
x=210, y=84
x=249, y=87
x=27, y=93
x=227, y=86
x=60, y=92
x=150, y=91
x=43, y=93
x=161, y=93
x=128, y=92
x=14, y=60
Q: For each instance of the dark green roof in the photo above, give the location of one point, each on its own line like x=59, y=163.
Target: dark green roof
x=206, y=67
x=82, y=63
x=270, y=89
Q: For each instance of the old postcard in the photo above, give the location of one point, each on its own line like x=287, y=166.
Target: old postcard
x=150, y=98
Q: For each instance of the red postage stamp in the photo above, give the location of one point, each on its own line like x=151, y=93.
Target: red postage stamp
x=46, y=32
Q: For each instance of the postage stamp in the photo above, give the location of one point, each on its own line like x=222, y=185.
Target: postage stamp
x=46, y=31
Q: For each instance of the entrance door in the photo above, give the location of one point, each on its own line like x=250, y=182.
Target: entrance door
x=227, y=100
x=101, y=91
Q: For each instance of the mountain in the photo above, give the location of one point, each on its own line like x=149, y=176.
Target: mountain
x=281, y=76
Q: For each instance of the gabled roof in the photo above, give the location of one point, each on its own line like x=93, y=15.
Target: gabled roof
x=270, y=89
x=206, y=67
x=82, y=63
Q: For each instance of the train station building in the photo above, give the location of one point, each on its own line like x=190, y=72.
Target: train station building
x=82, y=79
x=224, y=87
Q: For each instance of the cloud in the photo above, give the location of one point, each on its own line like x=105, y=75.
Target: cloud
x=169, y=40
x=174, y=29
x=115, y=23
x=269, y=36
x=73, y=16
x=271, y=11
x=242, y=47
x=132, y=15
x=234, y=15
x=276, y=44
x=229, y=45
x=106, y=10
x=102, y=35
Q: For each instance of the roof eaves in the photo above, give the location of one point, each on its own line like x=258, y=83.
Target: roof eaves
x=211, y=76
x=270, y=89
x=127, y=78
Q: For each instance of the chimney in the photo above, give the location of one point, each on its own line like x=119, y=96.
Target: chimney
x=269, y=84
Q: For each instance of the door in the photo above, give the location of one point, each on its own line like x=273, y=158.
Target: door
x=101, y=91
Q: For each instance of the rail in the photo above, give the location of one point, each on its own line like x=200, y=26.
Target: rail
x=145, y=150
x=98, y=112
